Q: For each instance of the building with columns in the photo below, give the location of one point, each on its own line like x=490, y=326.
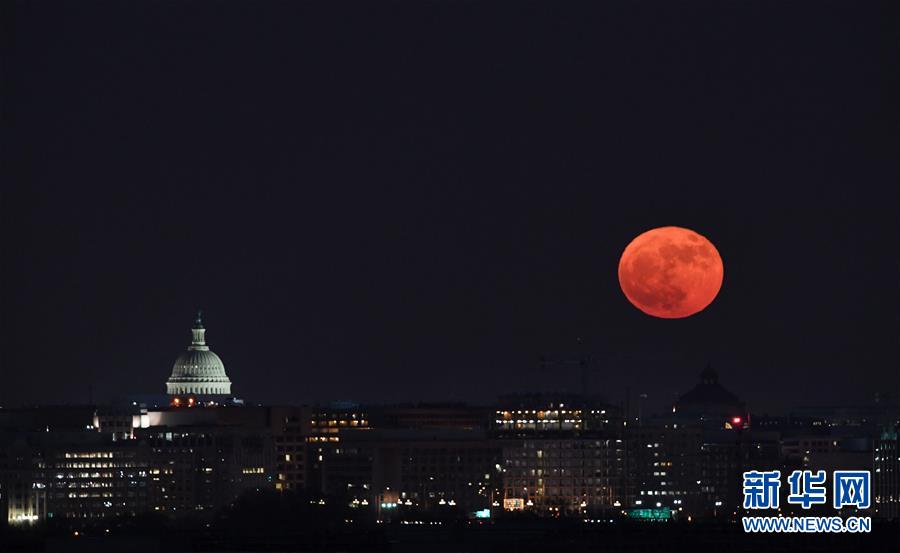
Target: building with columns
x=198, y=371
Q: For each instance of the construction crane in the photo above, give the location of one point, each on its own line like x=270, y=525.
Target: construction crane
x=583, y=360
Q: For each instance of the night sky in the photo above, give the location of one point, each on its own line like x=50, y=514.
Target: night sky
x=414, y=201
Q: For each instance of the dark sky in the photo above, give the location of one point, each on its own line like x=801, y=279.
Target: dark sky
x=413, y=201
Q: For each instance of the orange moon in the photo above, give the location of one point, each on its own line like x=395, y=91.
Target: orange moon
x=670, y=272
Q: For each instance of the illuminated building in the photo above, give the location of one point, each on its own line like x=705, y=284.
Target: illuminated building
x=199, y=469
x=691, y=462
x=69, y=462
x=440, y=469
x=565, y=475
x=328, y=428
x=23, y=495
x=198, y=371
x=92, y=482
x=329, y=422
x=562, y=455
x=691, y=470
x=527, y=414
x=79, y=476
x=419, y=456
x=290, y=429
x=886, y=474
x=203, y=459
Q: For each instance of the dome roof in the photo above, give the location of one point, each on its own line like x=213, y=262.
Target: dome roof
x=709, y=397
x=709, y=394
x=199, y=365
x=198, y=370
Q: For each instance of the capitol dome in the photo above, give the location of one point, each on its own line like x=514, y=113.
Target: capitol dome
x=198, y=370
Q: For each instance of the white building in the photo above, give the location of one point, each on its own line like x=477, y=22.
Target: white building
x=198, y=371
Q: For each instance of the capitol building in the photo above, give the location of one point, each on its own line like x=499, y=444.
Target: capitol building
x=198, y=371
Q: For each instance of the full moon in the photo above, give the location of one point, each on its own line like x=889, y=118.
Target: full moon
x=670, y=272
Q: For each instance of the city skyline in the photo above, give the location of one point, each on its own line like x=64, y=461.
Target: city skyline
x=191, y=456
x=449, y=276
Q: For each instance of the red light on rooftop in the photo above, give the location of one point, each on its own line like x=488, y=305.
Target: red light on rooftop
x=736, y=420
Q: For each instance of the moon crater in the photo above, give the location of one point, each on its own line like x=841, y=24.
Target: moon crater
x=670, y=272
